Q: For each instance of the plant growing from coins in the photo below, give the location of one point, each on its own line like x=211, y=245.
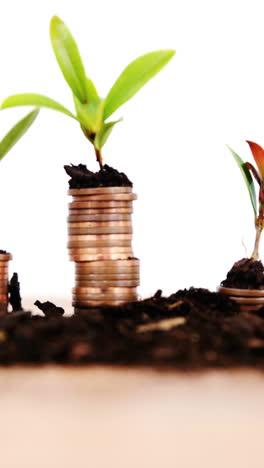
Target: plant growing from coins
x=92, y=112
x=251, y=173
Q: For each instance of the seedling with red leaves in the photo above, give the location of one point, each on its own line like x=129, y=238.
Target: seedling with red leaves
x=248, y=170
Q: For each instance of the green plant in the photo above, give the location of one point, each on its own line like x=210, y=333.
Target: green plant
x=17, y=132
x=248, y=170
x=92, y=111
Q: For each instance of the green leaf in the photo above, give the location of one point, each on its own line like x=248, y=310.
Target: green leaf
x=134, y=76
x=91, y=90
x=17, y=132
x=68, y=58
x=37, y=100
x=104, y=133
x=248, y=179
x=90, y=115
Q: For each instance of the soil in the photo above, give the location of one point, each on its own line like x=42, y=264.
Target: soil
x=245, y=274
x=191, y=329
x=81, y=177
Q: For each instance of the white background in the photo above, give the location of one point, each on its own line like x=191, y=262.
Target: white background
x=193, y=217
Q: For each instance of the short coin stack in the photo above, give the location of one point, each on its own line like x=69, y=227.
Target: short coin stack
x=4, y=259
x=99, y=242
x=248, y=299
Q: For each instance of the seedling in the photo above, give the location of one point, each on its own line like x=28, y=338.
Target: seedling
x=92, y=112
x=248, y=170
x=17, y=132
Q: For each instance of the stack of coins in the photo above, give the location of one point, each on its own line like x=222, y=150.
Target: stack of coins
x=99, y=242
x=4, y=259
x=248, y=299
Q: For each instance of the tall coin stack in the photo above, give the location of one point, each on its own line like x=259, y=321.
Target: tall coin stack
x=4, y=259
x=100, y=238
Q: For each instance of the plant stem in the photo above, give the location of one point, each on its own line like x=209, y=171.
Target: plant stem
x=255, y=254
x=99, y=157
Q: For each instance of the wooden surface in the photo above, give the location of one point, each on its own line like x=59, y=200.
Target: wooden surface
x=104, y=417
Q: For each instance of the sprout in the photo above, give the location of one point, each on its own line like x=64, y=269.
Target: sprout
x=248, y=170
x=92, y=111
x=17, y=132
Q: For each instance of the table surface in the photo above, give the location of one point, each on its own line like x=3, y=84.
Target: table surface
x=105, y=417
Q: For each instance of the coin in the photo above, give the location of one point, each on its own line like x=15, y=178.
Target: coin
x=248, y=300
x=96, y=257
x=242, y=292
x=95, y=297
x=3, y=267
x=87, y=244
x=3, y=298
x=94, y=211
x=100, y=204
x=101, y=237
x=5, y=257
x=105, y=283
x=101, y=224
x=99, y=290
x=98, y=250
x=99, y=217
x=107, y=276
x=111, y=197
x=98, y=190
x=79, y=309
x=100, y=230
x=129, y=263
x=101, y=299
x=99, y=272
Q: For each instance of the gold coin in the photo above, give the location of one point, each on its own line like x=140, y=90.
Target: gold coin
x=94, y=211
x=96, y=257
x=131, y=262
x=100, y=204
x=107, y=284
x=96, y=190
x=242, y=292
x=102, y=230
x=100, y=290
x=5, y=257
x=87, y=244
x=101, y=237
x=103, y=197
x=98, y=217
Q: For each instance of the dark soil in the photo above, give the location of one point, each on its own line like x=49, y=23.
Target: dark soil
x=245, y=274
x=191, y=329
x=81, y=177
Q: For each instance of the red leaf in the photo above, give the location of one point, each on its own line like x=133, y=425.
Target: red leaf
x=258, y=154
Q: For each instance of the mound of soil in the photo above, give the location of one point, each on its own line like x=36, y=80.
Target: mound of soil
x=245, y=274
x=81, y=177
x=191, y=329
